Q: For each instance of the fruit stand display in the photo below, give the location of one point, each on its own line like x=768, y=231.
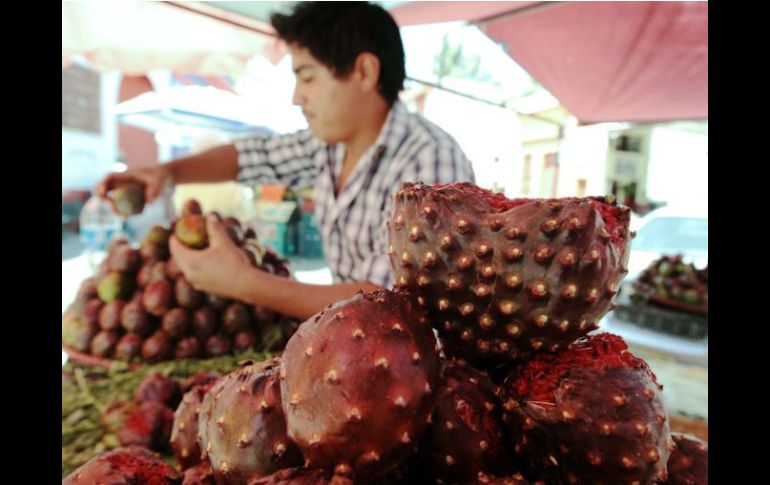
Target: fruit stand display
x=514, y=390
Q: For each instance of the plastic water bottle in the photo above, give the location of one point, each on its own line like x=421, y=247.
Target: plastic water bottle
x=98, y=225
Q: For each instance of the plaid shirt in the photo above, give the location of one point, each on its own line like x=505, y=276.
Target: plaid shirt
x=353, y=224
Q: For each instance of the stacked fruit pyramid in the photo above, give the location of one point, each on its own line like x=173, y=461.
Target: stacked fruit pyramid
x=512, y=391
x=670, y=278
x=140, y=307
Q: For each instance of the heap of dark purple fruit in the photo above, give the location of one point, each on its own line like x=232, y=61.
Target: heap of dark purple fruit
x=514, y=390
x=670, y=278
x=140, y=307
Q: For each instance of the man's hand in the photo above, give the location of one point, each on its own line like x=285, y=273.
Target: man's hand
x=152, y=178
x=220, y=268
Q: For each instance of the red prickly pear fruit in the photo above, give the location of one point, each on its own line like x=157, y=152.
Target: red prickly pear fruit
x=115, y=414
x=125, y=466
x=191, y=231
x=592, y=413
x=128, y=199
x=263, y=315
x=157, y=235
x=236, y=318
x=202, y=378
x=176, y=323
x=77, y=332
x=87, y=290
x=110, y=315
x=153, y=252
x=218, y=345
x=188, y=348
x=244, y=341
x=373, y=362
x=515, y=479
x=135, y=319
x=184, y=433
x=104, y=342
x=186, y=295
x=503, y=279
x=149, y=425
x=156, y=271
x=173, y=270
x=113, y=286
x=466, y=436
x=125, y=259
x=115, y=242
x=218, y=303
x=129, y=347
x=159, y=388
x=191, y=206
x=200, y=474
x=158, y=297
x=204, y=323
x=91, y=311
x=688, y=463
x=242, y=427
x=302, y=476
x=158, y=347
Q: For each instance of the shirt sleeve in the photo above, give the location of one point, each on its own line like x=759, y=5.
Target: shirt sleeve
x=289, y=160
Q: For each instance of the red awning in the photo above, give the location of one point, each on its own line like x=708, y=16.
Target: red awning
x=604, y=61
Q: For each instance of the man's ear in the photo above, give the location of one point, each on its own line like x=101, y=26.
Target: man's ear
x=367, y=70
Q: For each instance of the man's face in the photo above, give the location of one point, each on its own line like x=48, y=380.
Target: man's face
x=327, y=102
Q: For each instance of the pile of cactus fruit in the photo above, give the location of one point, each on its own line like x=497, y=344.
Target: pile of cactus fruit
x=140, y=307
x=669, y=277
x=480, y=366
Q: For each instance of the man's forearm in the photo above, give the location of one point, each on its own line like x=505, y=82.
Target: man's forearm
x=218, y=164
x=295, y=299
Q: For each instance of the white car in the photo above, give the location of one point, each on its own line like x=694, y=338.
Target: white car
x=665, y=231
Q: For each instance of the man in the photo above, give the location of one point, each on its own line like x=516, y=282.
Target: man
x=362, y=144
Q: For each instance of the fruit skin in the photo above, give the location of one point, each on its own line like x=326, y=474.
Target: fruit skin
x=135, y=319
x=359, y=383
x=242, y=427
x=188, y=348
x=236, y=318
x=503, y=279
x=114, y=285
x=149, y=425
x=302, y=476
x=689, y=462
x=191, y=206
x=186, y=295
x=591, y=414
x=129, y=347
x=77, y=332
x=124, y=258
x=204, y=323
x=158, y=347
x=129, y=465
x=217, y=345
x=104, y=342
x=191, y=231
x=176, y=323
x=128, y=199
x=159, y=388
x=110, y=315
x=466, y=436
x=157, y=235
x=158, y=298
x=514, y=479
x=184, y=433
x=200, y=474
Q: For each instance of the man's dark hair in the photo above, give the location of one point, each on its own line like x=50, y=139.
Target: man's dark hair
x=336, y=32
